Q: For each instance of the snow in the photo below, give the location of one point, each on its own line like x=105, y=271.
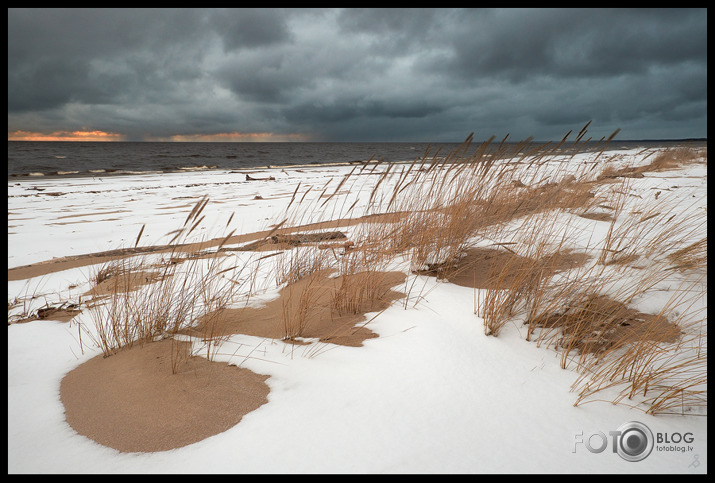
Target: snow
x=431, y=394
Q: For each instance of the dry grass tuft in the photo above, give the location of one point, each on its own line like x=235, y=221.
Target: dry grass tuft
x=692, y=257
x=138, y=302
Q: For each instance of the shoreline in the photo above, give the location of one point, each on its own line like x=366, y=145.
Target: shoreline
x=111, y=172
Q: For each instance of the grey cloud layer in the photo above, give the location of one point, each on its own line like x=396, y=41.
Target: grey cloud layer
x=360, y=74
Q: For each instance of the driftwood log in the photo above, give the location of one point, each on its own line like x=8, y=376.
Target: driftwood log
x=251, y=178
x=300, y=238
x=292, y=240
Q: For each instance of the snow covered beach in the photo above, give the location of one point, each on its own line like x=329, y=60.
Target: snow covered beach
x=432, y=392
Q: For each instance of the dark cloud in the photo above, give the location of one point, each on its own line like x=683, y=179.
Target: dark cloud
x=266, y=76
x=360, y=74
x=516, y=44
x=354, y=108
x=394, y=31
x=248, y=28
x=57, y=56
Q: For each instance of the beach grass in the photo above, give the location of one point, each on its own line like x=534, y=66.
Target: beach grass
x=144, y=300
x=524, y=200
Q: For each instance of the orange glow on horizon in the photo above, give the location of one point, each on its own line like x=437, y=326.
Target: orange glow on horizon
x=64, y=136
x=20, y=135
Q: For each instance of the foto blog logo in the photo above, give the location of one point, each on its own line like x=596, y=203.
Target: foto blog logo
x=632, y=441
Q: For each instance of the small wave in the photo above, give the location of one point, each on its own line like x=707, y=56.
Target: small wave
x=195, y=168
x=138, y=172
x=319, y=164
x=259, y=167
x=178, y=156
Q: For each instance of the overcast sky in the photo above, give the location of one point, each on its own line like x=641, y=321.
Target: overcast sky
x=432, y=75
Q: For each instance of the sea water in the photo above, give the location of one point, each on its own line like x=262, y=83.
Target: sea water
x=79, y=158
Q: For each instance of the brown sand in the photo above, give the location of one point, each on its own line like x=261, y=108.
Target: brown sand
x=60, y=314
x=303, y=309
x=133, y=402
x=598, y=323
x=125, y=280
x=481, y=267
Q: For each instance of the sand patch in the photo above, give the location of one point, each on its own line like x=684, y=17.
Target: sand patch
x=62, y=313
x=318, y=306
x=82, y=221
x=491, y=268
x=133, y=402
x=121, y=281
x=98, y=213
x=597, y=323
x=288, y=241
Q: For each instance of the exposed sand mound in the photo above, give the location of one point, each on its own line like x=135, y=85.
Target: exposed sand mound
x=597, y=323
x=62, y=313
x=316, y=306
x=484, y=268
x=132, y=401
x=121, y=281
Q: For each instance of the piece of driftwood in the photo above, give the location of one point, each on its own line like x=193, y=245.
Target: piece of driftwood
x=300, y=238
x=291, y=240
x=251, y=178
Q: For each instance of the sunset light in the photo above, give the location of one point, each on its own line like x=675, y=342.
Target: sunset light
x=20, y=135
x=64, y=136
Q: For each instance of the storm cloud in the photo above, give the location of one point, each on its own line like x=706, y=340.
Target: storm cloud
x=431, y=75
